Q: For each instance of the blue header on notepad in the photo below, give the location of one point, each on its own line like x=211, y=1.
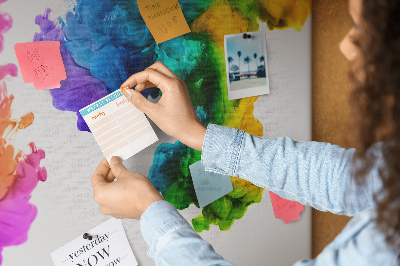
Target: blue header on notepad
x=94, y=106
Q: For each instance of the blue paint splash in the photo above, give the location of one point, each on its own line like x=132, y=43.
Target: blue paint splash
x=105, y=41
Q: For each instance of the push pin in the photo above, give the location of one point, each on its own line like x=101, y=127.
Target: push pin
x=246, y=36
x=87, y=236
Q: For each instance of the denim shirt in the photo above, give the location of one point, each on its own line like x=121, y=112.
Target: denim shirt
x=312, y=173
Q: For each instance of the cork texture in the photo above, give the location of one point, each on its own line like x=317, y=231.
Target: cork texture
x=330, y=99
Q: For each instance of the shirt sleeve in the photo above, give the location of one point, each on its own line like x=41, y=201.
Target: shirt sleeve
x=172, y=241
x=359, y=243
x=312, y=173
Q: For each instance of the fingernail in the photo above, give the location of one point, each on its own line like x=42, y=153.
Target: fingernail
x=127, y=93
x=115, y=160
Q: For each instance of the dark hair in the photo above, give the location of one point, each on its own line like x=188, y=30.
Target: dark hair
x=375, y=103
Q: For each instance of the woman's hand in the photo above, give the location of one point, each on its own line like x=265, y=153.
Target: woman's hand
x=174, y=112
x=127, y=197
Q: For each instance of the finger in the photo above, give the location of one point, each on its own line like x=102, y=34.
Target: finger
x=140, y=102
x=160, y=67
x=143, y=86
x=100, y=174
x=118, y=216
x=104, y=210
x=117, y=167
x=110, y=177
x=149, y=75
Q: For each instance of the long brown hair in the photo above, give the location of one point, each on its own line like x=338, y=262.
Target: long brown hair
x=375, y=102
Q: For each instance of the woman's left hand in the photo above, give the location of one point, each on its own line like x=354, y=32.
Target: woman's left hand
x=127, y=197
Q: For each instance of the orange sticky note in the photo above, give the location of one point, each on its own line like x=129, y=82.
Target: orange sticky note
x=41, y=63
x=164, y=19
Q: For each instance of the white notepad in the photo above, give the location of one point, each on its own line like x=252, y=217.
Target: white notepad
x=118, y=126
x=109, y=246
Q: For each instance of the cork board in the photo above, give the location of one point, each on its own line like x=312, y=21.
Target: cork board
x=65, y=204
x=330, y=97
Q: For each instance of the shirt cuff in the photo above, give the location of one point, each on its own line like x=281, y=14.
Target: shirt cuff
x=221, y=150
x=158, y=219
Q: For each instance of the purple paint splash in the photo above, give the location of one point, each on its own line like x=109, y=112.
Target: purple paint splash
x=80, y=88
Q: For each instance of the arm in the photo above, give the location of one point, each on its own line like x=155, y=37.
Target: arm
x=172, y=240
x=315, y=174
x=312, y=173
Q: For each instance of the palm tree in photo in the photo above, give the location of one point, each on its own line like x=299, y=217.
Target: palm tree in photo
x=234, y=68
x=239, y=54
x=262, y=59
x=247, y=60
x=230, y=60
x=255, y=58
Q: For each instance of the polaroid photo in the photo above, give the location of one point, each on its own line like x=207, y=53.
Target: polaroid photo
x=246, y=64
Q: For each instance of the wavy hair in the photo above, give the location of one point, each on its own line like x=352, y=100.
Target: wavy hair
x=375, y=102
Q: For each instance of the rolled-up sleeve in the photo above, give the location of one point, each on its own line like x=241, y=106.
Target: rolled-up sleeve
x=313, y=173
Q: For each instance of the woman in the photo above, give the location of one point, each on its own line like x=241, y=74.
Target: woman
x=316, y=174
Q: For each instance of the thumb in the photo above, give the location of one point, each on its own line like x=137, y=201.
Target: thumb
x=117, y=167
x=138, y=100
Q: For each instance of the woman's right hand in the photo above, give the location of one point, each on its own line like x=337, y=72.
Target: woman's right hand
x=173, y=113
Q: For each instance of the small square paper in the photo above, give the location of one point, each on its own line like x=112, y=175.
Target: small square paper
x=118, y=126
x=209, y=186
x=41, y=63
x=108, y=247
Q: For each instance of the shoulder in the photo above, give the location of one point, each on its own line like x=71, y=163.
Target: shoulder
x=362, y=242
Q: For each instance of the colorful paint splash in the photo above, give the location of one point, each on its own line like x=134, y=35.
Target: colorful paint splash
x=19, y=174
x=103, y=42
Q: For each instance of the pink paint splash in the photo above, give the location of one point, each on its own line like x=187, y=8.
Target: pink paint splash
x=9, y=69
x=19, y=174
x=287, y=210
x=5, y=25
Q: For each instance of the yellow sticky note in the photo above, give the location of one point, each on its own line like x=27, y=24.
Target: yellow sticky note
x=164, y=19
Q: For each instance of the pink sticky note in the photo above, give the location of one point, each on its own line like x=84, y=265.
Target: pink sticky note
x=41, y=63
x=284, y=209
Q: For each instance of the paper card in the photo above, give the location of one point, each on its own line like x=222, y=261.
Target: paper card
x=246, y=64
x=164, y=19
x=41, y=63
x=118, y=126
x=284, y=209
x=209, y=186
x=108, y=247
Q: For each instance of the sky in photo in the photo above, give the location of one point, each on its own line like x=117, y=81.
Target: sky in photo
x=256, y=44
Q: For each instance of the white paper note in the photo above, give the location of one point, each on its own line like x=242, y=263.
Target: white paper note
x=118, y=126
x=108, y=247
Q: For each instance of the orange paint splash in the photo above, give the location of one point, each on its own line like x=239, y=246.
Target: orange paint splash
x=8, y=128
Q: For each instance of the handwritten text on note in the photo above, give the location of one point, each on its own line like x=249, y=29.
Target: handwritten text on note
x=164, y=19
x=41, y=63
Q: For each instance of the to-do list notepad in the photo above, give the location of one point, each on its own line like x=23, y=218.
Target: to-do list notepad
x=118, y=126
